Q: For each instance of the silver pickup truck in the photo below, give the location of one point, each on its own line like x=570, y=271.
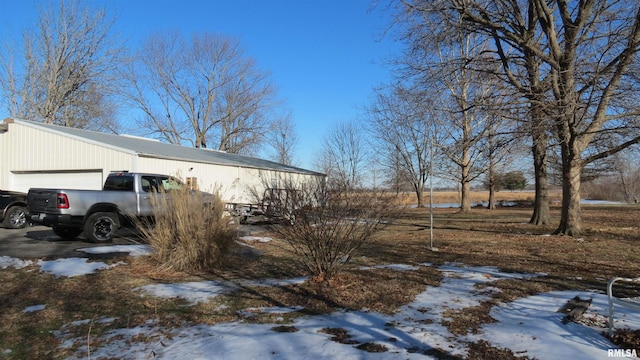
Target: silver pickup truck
x=98, y=213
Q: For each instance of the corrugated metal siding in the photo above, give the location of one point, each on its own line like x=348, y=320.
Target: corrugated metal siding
x=28, y=149
x=85, y=180
x=4, y=167
x=47, y=151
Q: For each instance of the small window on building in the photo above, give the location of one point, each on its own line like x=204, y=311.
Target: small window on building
x=192, y=183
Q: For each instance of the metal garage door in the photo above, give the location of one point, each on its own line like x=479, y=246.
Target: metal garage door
x=86, y=179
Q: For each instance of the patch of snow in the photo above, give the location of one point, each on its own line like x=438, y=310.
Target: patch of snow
x=193, y=292
x=59, y=267
x=274, y=282
x=262, y=239
x=7, y=261
x=533, y=326
x=269, y=310
x=201, y=291
x=33, y=308
x=600, y=202
x=72, y=266
x=397, y=267
x=133, y=250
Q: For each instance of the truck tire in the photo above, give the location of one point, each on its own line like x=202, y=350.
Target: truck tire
x=101, y=227
x=67, y=233
x=16, y=217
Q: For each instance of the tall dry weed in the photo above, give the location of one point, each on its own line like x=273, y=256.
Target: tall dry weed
x=189, y=231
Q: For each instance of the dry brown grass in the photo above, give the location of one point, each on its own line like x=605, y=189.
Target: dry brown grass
x=499, y=238
x=189, y=231
x=452, y=197
x=504, y=238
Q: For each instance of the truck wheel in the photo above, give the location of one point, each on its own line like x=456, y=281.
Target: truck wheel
x=16, y=217
x=67, y=233
x=101, y=227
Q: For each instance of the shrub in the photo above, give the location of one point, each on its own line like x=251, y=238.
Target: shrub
x=329, y=226
x=513, y=180
x=189, y=231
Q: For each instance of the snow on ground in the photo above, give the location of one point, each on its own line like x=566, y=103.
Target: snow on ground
x=34, y=308
x=72, y=266
x=133, y=250
x=6, y=261
x=262, y=239
x=397, y=267
x=201, y=291
x=530, y=326
x=76, y=266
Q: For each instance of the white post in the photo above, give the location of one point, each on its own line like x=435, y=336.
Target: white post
x=431, y=195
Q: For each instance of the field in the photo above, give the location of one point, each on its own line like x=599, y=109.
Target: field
x=453, y=197
x=500, y=238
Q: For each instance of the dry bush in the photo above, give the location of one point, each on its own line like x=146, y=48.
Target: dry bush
x=189, y=231
x=329, y=226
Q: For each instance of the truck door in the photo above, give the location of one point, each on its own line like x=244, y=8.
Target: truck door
x=149, y=194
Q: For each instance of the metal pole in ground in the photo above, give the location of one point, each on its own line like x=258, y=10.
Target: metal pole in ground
x=431, y=196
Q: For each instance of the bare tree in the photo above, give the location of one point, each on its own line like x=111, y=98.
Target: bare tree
x=203, y=90
x=65, y=74
x=499, y=152
x=571, y=61
x=283, y=140
x=344, y=155
x=588, y=47
x=396, y=177
x=405, y=130
x=463, y=120
x=628, y=173
x=424, y=24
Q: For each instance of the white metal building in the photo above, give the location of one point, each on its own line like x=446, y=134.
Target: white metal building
x=34, y=154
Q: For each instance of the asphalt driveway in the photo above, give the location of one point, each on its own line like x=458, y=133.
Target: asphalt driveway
x=40, y=242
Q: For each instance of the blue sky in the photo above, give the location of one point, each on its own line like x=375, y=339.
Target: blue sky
x=324, y=56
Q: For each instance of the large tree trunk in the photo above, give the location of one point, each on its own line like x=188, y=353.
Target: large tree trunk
x=492, y=197
x=492, y=185
x=465, y=198
x=541, y=214
x=540, y=139
x=492, y=175
x=420, y=195
x=570, y=220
